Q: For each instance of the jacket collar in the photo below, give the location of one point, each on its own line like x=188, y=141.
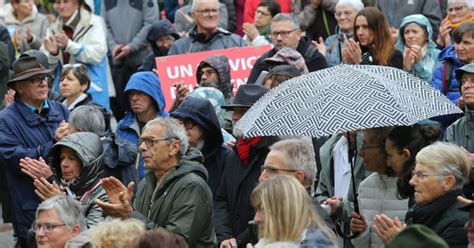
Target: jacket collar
x=33, y=118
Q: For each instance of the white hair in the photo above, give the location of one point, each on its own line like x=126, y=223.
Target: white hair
x=468, y=3
x=356, y=4
x=195, y=3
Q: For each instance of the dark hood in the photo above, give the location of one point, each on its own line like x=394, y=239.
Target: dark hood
x=157, y=30
x=89, y=149
x=220, y=63
x=148, y=83
x=201, y=112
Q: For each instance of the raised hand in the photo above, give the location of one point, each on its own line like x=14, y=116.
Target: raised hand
x=120, y=198
x=45, y=189
x=35, y=168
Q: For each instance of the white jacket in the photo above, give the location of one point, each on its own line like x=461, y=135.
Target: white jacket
x=378, y=195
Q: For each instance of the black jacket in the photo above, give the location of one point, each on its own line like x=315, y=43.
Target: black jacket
x=312, y=58
x=233, y=210
x=443, y=217
x=201, y=112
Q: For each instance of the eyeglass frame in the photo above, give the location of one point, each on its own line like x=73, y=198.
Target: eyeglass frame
x=423, y=175
x=283, y=34
x=36, y=81
x=207, y=12
x=153, y=141
x=457, y=9
x=272, y=170
x=47, y=227
x=466, y=80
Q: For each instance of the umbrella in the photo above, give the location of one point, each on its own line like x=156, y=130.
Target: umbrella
x=344, y=98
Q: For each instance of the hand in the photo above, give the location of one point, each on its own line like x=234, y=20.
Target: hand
x=411, y=56
x=181, y=92
x=387, y=228
x=358, y=223
x=463, y=201
x=334, y=202
x=120, y=198
x=17, y=37
x=46, y=190
x=62, y=131
x=229, y=243
x=62, y=40
x=35, y=168
x=29, y=34
x=116, y=50
x=124, y=52
x=460, y=102
x=51, y=45
x=320, y=46
x=9, y=97
x=352, y=53
x=249, y=246
x=250, y=30
x=444, y=37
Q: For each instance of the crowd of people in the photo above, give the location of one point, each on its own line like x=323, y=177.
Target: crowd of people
x=92, y=154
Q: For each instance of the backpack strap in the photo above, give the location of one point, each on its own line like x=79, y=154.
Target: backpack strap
x=447, y=75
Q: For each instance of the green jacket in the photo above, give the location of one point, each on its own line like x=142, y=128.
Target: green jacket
x=460, y=131
x=182, y=204
x=325, y=188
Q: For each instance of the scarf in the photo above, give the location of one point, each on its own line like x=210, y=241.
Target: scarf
x=243, y=149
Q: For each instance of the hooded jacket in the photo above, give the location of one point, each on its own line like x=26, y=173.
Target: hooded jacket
x=88, y=148
x=128, y=128
x=312, y=58
x=448, y=54
x=36, y=22
x=195, y=42
x=220, y=63
x=201, y=112
x=157, y=30
x=425, y=67
x=183, y=202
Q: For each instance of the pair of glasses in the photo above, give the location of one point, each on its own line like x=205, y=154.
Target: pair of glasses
x=456, y=9
x=207, y=12
x=47, y=227
x=273, y=170
x=467, y=80
x=422, y=175
x=151, y=141
x=283, y=34
x=37, y=81
x=259, y=12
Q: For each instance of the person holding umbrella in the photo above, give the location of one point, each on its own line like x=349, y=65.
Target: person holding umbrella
x=372, y=43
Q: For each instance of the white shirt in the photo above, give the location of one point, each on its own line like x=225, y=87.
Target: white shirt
x=342, y=168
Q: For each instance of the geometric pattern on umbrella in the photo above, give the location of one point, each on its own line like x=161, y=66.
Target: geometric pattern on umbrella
x=344, y=98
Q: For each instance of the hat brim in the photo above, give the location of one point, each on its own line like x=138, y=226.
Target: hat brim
x=231, y=106
x=28, y=76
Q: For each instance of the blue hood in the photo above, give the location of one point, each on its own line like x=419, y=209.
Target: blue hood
x=448, y=53
x=148, y=83
x=420, y=20
x=201, y=112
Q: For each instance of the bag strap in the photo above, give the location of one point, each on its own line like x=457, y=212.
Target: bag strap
x=447, y=75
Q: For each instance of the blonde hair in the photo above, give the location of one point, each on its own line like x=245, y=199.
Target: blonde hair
x=116, y=233
x=287, y=210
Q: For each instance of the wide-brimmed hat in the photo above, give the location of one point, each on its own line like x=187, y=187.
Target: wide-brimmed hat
x=26, y=68
x=469, y=68
x=246, y=96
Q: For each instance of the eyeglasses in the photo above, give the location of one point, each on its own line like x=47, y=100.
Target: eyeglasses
x=273, y=170
x=151, y=141
x=47, y=227
x=284, y=34
x=37, y=81
x=422, y=175
x=466, y=80
x=259, y=12
x=207, y=12
x=456, y=9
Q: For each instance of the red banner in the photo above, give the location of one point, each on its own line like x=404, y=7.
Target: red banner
x=182, y=68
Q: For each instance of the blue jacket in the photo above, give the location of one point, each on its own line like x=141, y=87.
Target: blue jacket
x=425, y=67
x=446, y=54
x=24, y=133
x=201, y=112
x=128, y=128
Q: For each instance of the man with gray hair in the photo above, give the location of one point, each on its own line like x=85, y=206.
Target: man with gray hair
x=286, y=32
x=58, y=220
x=206, y=35
x=174, y=193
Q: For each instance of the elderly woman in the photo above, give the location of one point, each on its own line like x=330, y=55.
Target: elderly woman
x=279, y=219
x=74, y=83
x=346, y=11
x=26, y=26
x=438, y=178
x=78, y=162
x=78, y=36
x=258, y=32
x=372, y=43
x=459, y=12
x=420, y=55
x=58, y=220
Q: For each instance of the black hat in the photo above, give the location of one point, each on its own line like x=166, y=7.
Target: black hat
x=469, y=68
x=25, y=68
x=40, y=56
x=246, y=96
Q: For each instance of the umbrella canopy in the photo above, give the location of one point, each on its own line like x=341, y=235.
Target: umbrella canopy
x=344, y=98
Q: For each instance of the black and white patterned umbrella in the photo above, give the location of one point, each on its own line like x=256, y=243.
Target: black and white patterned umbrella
x=344, y=98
